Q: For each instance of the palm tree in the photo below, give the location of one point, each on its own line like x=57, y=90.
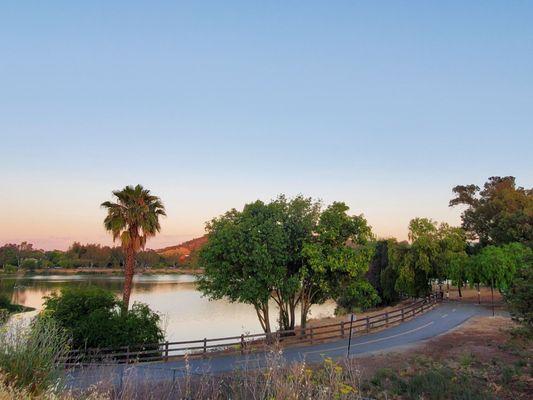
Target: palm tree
x=133, y=218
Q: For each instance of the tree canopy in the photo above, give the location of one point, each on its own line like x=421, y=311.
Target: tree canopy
x=288, y=251
x=500, y=213
x=133, y=218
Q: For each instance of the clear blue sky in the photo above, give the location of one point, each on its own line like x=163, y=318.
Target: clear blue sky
x=383, y=105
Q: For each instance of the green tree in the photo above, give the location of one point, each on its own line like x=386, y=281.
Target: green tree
x=245, y=256
x=29, y=264
x=337, y=259
x=500, y=213
x=519, y=297
x=452, y=258
x=396, y=253
x=299, y=219
x=133, y=218
x=498, y=265
x=379, y=263
x=417, y=266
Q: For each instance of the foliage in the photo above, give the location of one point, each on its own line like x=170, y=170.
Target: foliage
x=437, y=252
x=498, y=264
x=500, y=213
x=29, y=264
x=133, y=219
x=93, y=317
x=9, y=269
x=519, y=297
x=285, y=250
x=356, y=296
x=244, y=257
x=299, y=219
x=378, y=265
x=337, y=258
x=30, y=354
x=5, y=304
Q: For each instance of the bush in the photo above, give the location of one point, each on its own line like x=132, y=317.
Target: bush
x=9, y=269
x=94, y=317
x=5, y=304
x=358, y=295
x=30, y=354
x=30, y=264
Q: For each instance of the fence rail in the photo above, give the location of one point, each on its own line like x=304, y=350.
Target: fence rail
x=245, y=343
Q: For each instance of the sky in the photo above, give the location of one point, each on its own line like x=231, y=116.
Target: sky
x=383, y=105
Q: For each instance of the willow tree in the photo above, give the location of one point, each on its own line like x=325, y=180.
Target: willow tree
x=133, y=218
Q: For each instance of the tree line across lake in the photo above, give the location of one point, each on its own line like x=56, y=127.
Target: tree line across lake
x=24, y=257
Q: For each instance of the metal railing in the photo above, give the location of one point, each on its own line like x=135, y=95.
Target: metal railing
x=246, y=343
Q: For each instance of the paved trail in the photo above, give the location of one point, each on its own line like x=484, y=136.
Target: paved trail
x=439, y=320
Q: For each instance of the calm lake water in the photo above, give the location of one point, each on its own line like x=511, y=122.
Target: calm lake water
x=185, y=313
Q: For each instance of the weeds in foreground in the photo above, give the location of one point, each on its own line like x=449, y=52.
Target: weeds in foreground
x=269, y=377
x=30, y=353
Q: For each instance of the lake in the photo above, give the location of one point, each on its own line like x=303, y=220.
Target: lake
x=185, y=313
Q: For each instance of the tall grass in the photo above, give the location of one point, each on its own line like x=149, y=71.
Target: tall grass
x=30, y=353
x=271, y=378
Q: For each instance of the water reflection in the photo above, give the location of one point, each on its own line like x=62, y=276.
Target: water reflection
x=186, y=314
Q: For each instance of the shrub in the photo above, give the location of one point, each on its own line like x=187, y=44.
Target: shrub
x=30, y=354
x=94, y=317
x=356, y=295
x=5, y=304
x=30, y=264
x=10, y=269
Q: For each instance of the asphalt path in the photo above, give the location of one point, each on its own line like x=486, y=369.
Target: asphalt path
x=441, y=319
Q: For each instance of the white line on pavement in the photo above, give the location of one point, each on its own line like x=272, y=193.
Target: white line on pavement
x=444, y=316
x=372, y=341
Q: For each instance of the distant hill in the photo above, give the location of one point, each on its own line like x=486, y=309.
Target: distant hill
x=183, y=250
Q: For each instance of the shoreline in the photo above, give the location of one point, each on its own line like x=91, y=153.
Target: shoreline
x=105, y=271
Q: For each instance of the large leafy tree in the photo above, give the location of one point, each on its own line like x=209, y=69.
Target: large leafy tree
x=499, y=213
x=245, y=256
x=337, y=261
x=132, y=219
x=299, y=219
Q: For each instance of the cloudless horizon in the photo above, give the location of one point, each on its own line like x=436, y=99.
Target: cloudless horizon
x=210, y=105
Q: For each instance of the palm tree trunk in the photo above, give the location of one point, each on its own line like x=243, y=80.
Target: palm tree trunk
x=129, y=270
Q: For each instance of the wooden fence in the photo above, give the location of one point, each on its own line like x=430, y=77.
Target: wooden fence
x=246, y=343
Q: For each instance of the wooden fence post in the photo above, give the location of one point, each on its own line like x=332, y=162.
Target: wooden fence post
x=311, y=334
x=342, y=329
x=367, y=325
x=205, y=347
x=166, y=351
x=402, y=315
x=242, y=343
x=127, y=354
x=386, y=318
